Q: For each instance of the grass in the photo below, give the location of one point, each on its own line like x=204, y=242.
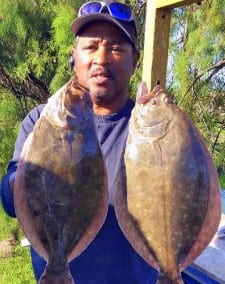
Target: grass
x=16, y=267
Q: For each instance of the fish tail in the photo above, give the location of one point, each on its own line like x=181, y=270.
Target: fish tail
x=164, y=279
x=56, y=278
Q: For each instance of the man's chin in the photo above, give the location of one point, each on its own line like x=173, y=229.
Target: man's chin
x=99, y=92
x=100, y=97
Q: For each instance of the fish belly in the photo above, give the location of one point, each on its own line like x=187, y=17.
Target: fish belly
x=60, y=195
x=169, y=196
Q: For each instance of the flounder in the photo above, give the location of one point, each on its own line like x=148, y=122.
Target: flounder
x=61, y=197
x=168, y=197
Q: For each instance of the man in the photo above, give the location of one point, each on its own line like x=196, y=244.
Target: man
x=104, y=59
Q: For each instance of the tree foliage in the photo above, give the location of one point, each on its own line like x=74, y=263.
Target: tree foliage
x=24, y=32
x=10, y=116
x=197, y=69
x=35, y=41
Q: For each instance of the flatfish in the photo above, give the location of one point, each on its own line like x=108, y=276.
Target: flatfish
x=61, y=197
x=168, y=197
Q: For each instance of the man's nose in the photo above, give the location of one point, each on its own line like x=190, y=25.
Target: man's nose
x=102, y=56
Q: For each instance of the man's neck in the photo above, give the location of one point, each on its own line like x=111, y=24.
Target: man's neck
x=109, y=109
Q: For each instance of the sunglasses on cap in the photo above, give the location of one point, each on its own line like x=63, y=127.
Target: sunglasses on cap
x=117, y=10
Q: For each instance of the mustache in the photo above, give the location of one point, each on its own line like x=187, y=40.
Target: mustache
x=102, y=72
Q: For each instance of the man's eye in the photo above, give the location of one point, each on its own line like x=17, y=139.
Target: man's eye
x=89, y=47
x=117, y=49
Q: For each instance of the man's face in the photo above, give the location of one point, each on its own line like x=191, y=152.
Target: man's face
x=104, y=62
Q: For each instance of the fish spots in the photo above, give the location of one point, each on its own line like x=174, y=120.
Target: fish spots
x=170, y=178
x=61, y=198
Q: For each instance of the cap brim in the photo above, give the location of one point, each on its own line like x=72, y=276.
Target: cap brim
x=80, y=22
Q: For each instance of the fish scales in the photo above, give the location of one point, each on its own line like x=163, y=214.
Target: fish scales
x=61, y=198
x=169, y=205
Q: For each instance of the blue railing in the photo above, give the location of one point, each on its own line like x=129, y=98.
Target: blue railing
x=194, y=276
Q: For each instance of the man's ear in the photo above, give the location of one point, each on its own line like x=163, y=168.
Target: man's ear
x=71, y=63
x=136, y=58
x=73, y=51
x=72, y=59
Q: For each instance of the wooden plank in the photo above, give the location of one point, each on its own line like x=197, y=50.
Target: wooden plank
x=165, y=4
x=157, y=30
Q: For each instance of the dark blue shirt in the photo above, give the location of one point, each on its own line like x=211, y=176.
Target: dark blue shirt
x=109, y=259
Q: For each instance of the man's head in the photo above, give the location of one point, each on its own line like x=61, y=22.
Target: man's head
x=112, y=11
x=105, y=54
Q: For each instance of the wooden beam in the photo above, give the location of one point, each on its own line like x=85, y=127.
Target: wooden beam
x=157, y=31
x=165, y=4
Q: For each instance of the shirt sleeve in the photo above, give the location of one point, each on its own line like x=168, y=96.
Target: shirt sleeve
x=26, y=128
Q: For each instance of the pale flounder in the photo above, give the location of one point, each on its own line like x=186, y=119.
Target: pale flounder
x=61, y=197
x=168, y=196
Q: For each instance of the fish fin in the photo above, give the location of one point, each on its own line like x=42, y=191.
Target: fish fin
x=164, y=279
x=57, y=278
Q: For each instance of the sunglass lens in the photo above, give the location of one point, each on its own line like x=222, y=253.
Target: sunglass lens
x=120, y=11
x=91, y=7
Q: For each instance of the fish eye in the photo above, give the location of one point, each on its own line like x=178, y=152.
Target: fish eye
x=154, y=101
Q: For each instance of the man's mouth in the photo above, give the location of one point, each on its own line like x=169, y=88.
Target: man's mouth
x=100, y=77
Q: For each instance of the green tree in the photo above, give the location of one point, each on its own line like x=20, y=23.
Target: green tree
x=10, y=116
x=35, y=40
x=196, y=70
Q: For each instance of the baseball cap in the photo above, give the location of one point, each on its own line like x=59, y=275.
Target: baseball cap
x=112, y=11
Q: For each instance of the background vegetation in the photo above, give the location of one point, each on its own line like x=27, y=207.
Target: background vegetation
x=35, y=43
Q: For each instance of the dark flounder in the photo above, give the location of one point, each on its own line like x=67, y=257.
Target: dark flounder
x=61, y=198
x=168, y=197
